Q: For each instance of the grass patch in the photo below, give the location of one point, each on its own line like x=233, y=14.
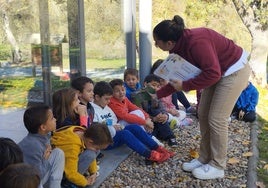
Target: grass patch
x=99, y=64
x=262, y=110
x=14, y=91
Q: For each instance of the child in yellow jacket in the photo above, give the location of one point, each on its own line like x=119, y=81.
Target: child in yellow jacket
x=80, y=146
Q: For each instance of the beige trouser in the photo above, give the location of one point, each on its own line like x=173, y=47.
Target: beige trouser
x=216, y=104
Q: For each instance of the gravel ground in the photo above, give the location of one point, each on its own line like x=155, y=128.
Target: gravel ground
x=133, y=172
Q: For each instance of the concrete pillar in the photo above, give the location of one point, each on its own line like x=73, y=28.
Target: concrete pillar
x=129, y=16
x=145, y=41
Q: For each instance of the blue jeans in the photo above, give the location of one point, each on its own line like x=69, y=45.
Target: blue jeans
x=136, y=139
x=163, y=131
x=54, y=174
x=85, y=159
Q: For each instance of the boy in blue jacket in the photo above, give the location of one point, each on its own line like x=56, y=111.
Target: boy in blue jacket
x=245, y=107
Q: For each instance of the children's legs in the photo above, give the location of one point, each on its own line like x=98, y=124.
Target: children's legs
x=182, y=115
x=183, y=100
x=175, y=100
x=54, y=175
x=135, y=112
x=138, y=113
x=85, y=159
x=126, y=137
x=143, y=136
x=249, y=116
x=163, y=131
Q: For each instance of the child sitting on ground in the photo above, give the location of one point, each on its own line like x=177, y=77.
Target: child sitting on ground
x=85, y=86
x=19, y=175
x=122, y=108
x=36, y=147
x=131, y=81
x=67, y=108
x=131, y=135
x=80, y=145
x=245, y=107
x=178, y=115
x=127, y=112
x=179, y=95
x=10, y=153
x=68, y=111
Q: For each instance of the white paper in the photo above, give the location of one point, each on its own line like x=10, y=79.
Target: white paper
x=176, y=68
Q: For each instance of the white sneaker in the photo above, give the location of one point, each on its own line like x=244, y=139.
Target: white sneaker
x=189, y=166
x=158, y=141
x=186, y=123
x=207, y=171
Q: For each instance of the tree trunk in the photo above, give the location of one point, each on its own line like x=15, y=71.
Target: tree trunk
x=11, y=38
x=259, y=48
x=258, y=58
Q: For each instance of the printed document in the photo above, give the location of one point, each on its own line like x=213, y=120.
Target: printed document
x=176, y=68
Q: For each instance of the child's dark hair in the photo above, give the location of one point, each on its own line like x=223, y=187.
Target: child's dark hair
x=116, y=82
x=35, y=116
x=102, y=88
x=80, y=82
x=10, y=153
x=131, y=71
x=151, y=77
x=169, y=30
x=156, y=65
x=20, y=175
x=99, y=134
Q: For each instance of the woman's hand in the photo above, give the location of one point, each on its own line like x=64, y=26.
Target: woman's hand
x=177, y=84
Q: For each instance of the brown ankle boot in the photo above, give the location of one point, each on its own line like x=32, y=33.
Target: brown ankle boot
x=158, y=157
x=161, y=149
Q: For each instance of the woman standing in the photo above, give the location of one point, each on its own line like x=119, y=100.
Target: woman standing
x=224, y=75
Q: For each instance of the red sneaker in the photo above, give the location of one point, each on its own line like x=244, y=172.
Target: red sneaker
x=158, y=157
x=161, y=149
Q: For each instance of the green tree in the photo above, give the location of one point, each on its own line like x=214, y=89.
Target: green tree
x=254, y=14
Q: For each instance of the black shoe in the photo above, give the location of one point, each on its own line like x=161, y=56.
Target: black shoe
x=172, y=142
x=67, y=184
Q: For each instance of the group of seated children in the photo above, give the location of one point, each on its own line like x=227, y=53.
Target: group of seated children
x=63, y=141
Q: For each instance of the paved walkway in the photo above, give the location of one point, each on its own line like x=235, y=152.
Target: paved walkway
x=27, y=71
x=12, y=124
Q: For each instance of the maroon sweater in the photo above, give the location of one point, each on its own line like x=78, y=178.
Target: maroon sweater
x=209, y=51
